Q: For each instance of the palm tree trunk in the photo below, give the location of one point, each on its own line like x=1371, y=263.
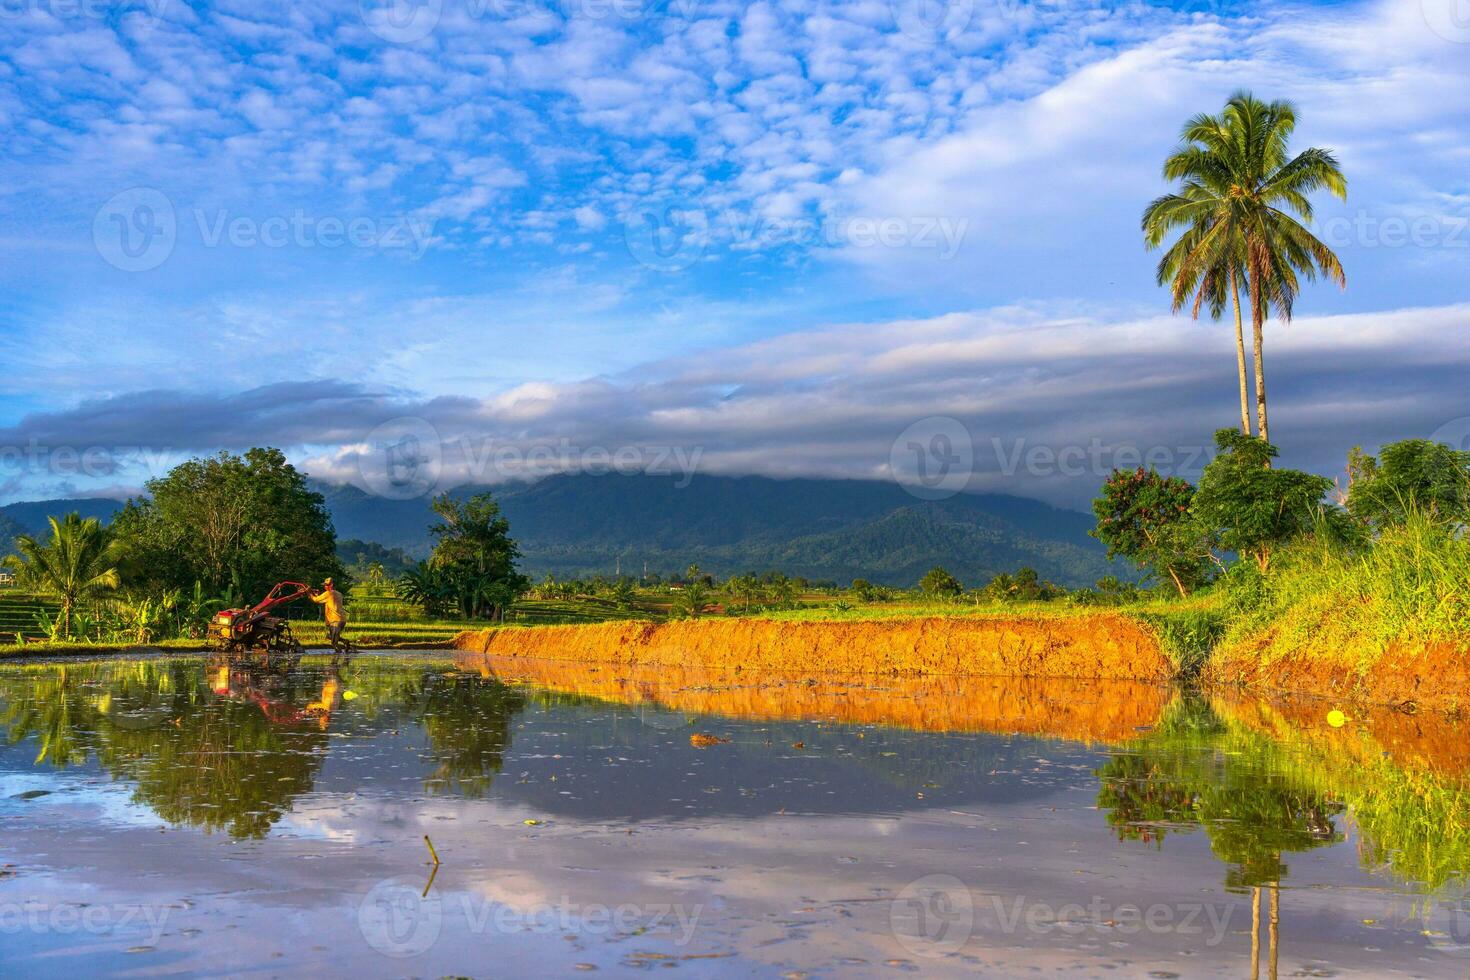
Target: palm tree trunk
x=1258, y=321
x=1239, y=356
x=1263, y=428
x=1245, y=410
x=1274, y=935
x=1256, y=932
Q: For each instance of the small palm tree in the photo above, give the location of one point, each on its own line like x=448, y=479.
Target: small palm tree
x=1240, y=189
x=693, y=601
x=76, y=564
x=425, y=586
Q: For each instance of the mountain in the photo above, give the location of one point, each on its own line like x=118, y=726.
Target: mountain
x=821, y=529
x=30, y=516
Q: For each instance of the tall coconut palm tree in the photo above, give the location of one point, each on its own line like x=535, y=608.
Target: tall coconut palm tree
x=76, y=564
x=1239, y=202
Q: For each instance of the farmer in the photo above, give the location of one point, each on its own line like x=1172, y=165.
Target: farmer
x=335, y=611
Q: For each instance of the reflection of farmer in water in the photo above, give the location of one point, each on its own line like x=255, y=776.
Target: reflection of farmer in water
x=264, y=691
x=335, y=611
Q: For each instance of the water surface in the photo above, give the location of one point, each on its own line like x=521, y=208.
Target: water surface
x=173, y=815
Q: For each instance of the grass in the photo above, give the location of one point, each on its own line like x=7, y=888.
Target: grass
x=1343, y=605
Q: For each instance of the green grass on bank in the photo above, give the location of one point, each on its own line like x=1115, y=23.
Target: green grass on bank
x=1348, y=605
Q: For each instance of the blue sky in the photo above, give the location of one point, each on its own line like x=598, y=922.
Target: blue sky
x=779, y=234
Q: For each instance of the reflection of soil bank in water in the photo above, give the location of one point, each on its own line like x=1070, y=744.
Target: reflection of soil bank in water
x=1435, y=676
x=1088, y=711
x=1423, y=742
x=1098, y=646
x=1404, y=779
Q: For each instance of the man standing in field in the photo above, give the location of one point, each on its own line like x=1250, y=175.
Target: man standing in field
x=335, y=611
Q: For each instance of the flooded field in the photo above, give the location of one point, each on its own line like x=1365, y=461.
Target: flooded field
x=169, y=815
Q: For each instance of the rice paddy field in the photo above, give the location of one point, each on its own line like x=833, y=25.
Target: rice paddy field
x=424, y=813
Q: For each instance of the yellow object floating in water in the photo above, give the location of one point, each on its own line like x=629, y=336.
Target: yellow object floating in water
x=1336, y=718
x=533, y=823
x=349, y=695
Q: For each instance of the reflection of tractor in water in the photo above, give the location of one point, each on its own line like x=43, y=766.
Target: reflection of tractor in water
x=238, y=631
x=277, y=690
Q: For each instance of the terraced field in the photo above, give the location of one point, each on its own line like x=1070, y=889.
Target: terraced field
x=18, y=612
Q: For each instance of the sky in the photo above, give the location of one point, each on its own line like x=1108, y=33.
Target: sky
x=419, y=243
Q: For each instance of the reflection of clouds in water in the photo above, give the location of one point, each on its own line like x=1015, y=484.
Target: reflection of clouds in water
x=68, y=800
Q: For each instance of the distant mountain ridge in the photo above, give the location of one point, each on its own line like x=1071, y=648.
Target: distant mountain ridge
x=821, y=529
x=29, y=517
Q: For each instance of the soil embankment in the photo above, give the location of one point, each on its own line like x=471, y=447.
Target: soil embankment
x=1428, y=676
x=1095, y=646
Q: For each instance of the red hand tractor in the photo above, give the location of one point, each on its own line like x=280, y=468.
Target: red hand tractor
x=241, y=630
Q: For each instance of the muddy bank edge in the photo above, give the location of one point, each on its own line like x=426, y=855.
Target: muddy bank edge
x=1093, y=646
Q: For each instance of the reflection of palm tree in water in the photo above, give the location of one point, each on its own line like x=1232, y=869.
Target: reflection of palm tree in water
x=1179, y=779
x=198, y=760
x=230, y=747
x=467, y=719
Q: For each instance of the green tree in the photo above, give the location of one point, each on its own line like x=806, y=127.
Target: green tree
x=1026, y=585
x=692, y=601
x=1239, y=187
x=1146, y=518
x=234, y=523
x=1254, y=509
x=939, y=584
x=76, y=563
x=624, y=592
x=475, y=554
x=1414, y=474
x=426, y=587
